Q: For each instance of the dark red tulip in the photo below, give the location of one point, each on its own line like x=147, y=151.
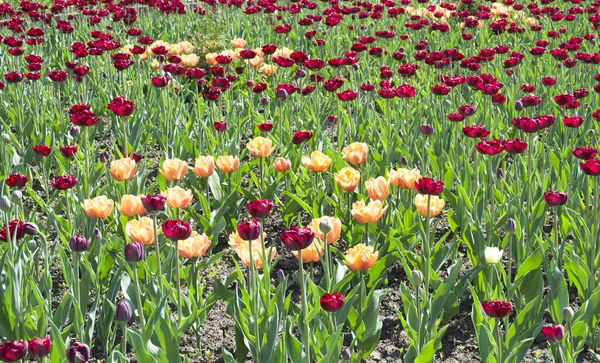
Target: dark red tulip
x=531, y=100
x=134, y=251
x=347, y=95
x=426, y=130
x=497, y=309
x=269, y=48
x=553, y=333
x=585, y=152
x=332, y=302
x=211, y=93
x=63, y=182
x=440, y=89
x=590, y=167
x=265, y=127
x=573, y=121
x=13, y=351
x=68, y=151
x=548, y=81
x=39, y=347
x=16, y=180
x=259, y=208
x=78, y=353
x=455, y=117
x=555, y=199
x=121, y=106
x=489, y=147
x=15, y=228
x=41, y=150
x=498, y=99
x=82, y=115
x=249, y=231
x=405, y=91
x=476, y=131
x=13, y=77
x=57, y=76
x=429, y=186
x=297, y=238
x=160, y=81
x=514, y=146
x=314, y=64
x=154, y=202
x=466, y=110
x=177, y=230
x=526, y=124
x=301, y=137
x=220, y=126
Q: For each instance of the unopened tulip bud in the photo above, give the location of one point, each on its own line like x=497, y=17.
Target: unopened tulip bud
x=346, y=355
x=281, y=94
x=16, y=196
x=404, y=161
x=518, y=106
x=74, y=131
x=300, y=73
x=499, y=173
x=325, y=226
x=568, y=314
x=31, y=245
x=426, y=129
x=30, y=228
x=97, y=235
x=280, y=275
x=591, y=132
x=511, y=225
x=79, y=243
x=103, y=157
x=332, y=119
x=417, y=277
x=264, y=100
x=124, y=311
x=400, y=134
x=4, y=203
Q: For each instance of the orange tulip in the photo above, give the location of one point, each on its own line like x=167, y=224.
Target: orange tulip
x=378, y=189
x=361, y=257
x=356, y=153
x=370, y=213
x=404, y=178
x=228, y=164
x=267, y=69
x=204, y=166
x=317, y=161
x=436, y=205
x=131, y=205
x=123, y=169
x=238, y=43
x=235, y=240
x=173, y=169
x=260, y=147
x=311, y=253
x=98, y=208
x=243, y=252
x=178, y=197
x=347, y=179
x=195, y=246
x=282, y=165
x=333, y=235
x=141, y=230
x=211, y=59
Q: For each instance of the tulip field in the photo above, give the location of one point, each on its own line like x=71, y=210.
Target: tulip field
x=299, y=181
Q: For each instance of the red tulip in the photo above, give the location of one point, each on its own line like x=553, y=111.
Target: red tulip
x=121, y=106
x=42, y=150
x=177, y=230
x=466, y=110
x=297, y=238
x=160, y=81
x=265, y=127
x=332, y=302
x=249, y=231
x=553, y=333
x=82, y=115
x=573, y=121
x=301, y=137
x=13, y=351
x=555, y=199
x=63, y=182
x=455, y=117
x=347, y=95
x=15, y=227
x=585, y=152
x=590, y=167
x=405, y=91
x=154, y=202
x=16, y=180
x=489, y=147
x=497, y=309
x=429, y=186
x=211, y=93
x=78, y=353
x=514, y=146
x=220, y=126
x=57, y=76
x=476, y=131
x=39, y=347
x=68, y=151
x=259, y=208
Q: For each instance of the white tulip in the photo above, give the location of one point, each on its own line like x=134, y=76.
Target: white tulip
x=493, y=255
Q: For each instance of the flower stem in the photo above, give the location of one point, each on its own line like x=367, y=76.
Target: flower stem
x=498, y=339
x=157, y=242
x=124, y=339
x=304, y=308
x=179, y=309
x=86, y=156
x=138, y=289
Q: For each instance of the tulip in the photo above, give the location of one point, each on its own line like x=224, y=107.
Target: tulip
x=259, y=209
x=493, y=255
x=13, y=351
x=63, y=182
x=591, y=167
x=429, y=186
x=312, y=253
x=98, y=208
x=260, y=147
x=228, y=164
x=347, y=179
x=297, y=238
x=39, y=347
x=121, y=107
x=368, y=213
x=235, y=240
x=435, y=208
x=404, y=178
x=282, y=165
x=176, y=230
x=204, y=166
x=141, y=230
x=78, y=353
x=361, y=257
x=123, y=169
x=317, y=161
x=378, y=189
x=134, y=252
x=178, y=197
x=15, y=229
x=553, y=333
x=16, y=180
x=124, y=311
x=173, y=169
x=249, y=231
x=332, y=302
x=194, y=246
x=555, y=199
x=79, y=243
x=131, y=205
x=334, y=225
x=498, y=309
x=154, y=202
x=243, y=252
x=356, y=153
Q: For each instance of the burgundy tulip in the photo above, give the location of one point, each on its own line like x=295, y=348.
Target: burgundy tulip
x=39, y=347
x=121, y=106
x=497, y=309
x=160, y=81
x=514, y=146
x=265, y=127
x=476, y=131
x=332, y=302
x=63, y=182
x=249, y=231
x=429, y=186
x=489, y=147
x=297, y=238
x=68, y=151
x=553, y=333
x=15, y=229
x=347, y=95
x=590, y=167
x=13, y=351
x=301, y=137
x=134, y=251
x=220, y=126
x=16, y=180
x=177, y=230
x=82, y=115
x=154, y=202
x=78, y=353
x=555, y=199
x=585, y=152
x=259, y=208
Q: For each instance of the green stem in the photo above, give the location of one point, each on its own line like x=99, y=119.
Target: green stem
x=157, y=243
x=304, y=308
x=76, y=258
x=124, y=339
x=426, y=247
x=490, y=228
x=499, y=340
x=419, y=318
x=177, y=273
x=138, y=294
x=328, y=261
x=87, y=162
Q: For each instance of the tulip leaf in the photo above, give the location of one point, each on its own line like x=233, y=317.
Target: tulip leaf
x=559, y=294
x=533, y=262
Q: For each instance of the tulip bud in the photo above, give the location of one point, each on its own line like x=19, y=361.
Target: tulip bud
x=30, y=228
x=404, y=161
x=511, y=225
x=332, y=119
x=124, y=311
x=400, y=134
x=79, y=243
x=417, y=277
x=325, y=226
x=591, y=132
x=281, y=94
x=568, y=314
x=426, y=129
x=4, y=203
x=346, y=355
x=74, y=131
x=134, y=251
x=103, y=157
x=499, y=173
x=518, y=106
x=264, y=100
x=280, y=275
x=31, y=245
x=16, y=196
x=300, y=73
x=97, y=235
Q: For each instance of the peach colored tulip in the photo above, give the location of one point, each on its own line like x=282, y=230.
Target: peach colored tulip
x=243, y=252
x=238, y=43
x=141, y=230
x=369, y=213
x=211, y=59
x=235, y=240
x=356, y=153
x=268, y=69
x=347, y=179
x=361, y=257
x=311, y=253
x=123, y=169
x=260, y=147
x=336, y=228
x=195, y=246
x=317, y=161
x=282, y=165
x=178, y=197
x=228, y=164
x=378, y=189
x=436, y=207
x=173, y=169
x=189, y=60
x=98, y=208
x=131, y=205
x=404, y=178
x=204, y=166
